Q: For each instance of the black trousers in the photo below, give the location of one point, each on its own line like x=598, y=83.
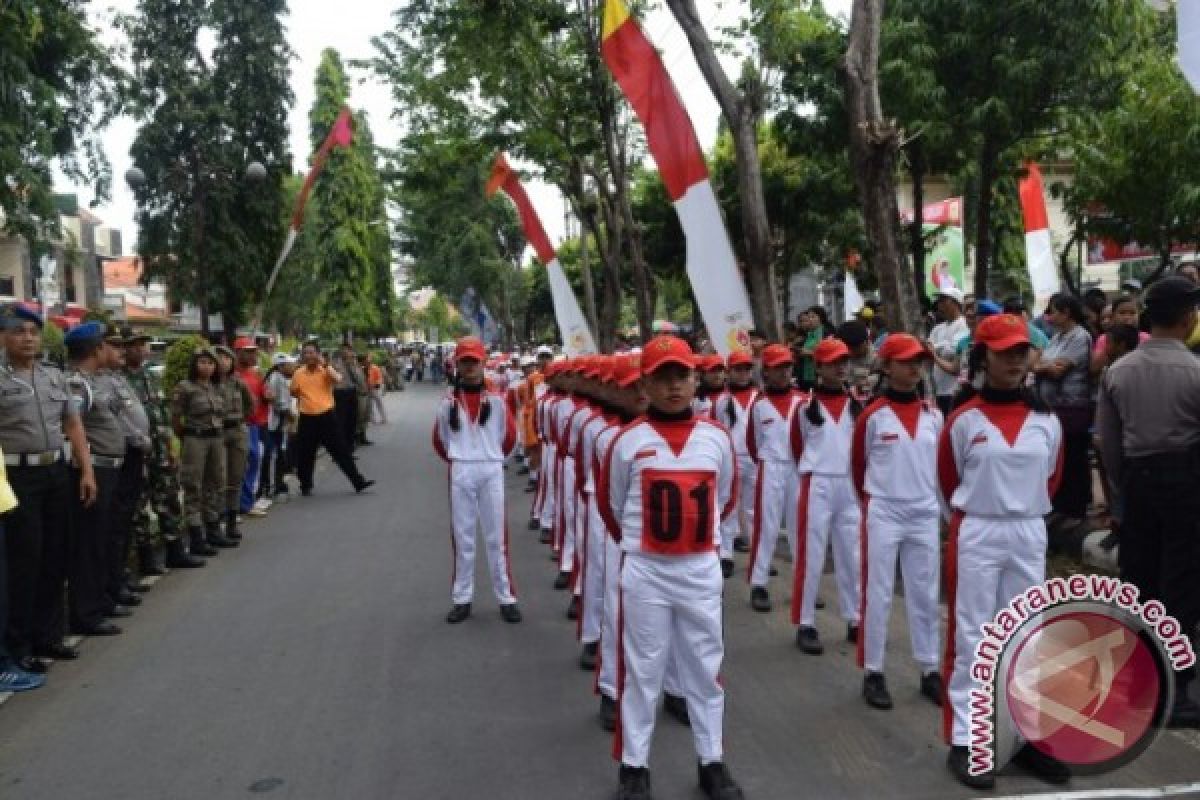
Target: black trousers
x=1160, y=535
x=1075, y=490
x=277, y=453
x=87, y=573
x=345, y=406
x=35, y=540
x=322, y=430
x=131, y=488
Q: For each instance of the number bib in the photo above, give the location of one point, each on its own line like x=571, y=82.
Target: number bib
x=677, y=511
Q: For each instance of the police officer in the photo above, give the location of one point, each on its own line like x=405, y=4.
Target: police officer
x=88, y=355
x=197, y=416
x=238, y=403
x=36, y=415
x=1149, y=423
x=159, y=514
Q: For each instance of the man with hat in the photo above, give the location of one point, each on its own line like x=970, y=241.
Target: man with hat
x=943, y=342
x=89, y=355
x=37, y=416
x=1149, y=424
x=158, y=513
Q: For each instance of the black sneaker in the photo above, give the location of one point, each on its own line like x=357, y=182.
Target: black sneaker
x=363, y=485
x=562, y=581
x=460, y=612
x=931, y=687
x=808, y=641
x=677, y=707
x=759, y=599
x=717, y=783
x=573, y=608
x=510, y=613
x=1045, y=766
x=958, y=760
x=740, y=545
x=587, y=658
x=547, y=536
x=534, y=524
x=727, y=568
x=875, y=691
x=608, y=713
x=633, y=783
x=852, y=633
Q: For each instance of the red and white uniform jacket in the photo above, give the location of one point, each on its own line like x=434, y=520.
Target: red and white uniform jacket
x=560, y=419
x=541, y=417
x=732, y=409
x=770, y=420
x=1000, y=459
x=824, y=449
x=585, y=447
x=702, y=405
x=492, y=440
x=667, y=485
x=894, y=455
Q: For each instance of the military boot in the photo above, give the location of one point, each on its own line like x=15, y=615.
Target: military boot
x=200, y=545
x=231, y=527
x=215, y=537
x=179, y=558
x=148, y=563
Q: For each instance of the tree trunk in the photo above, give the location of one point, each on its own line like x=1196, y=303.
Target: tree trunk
x=610, y=298
x=983, y=217
x=874, y=144
x=916, y=231
x=589, y=290
x=622, y=224
x=742, y=120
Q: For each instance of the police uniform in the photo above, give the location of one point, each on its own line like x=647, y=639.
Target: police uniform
x=131, y=481
x=238, y=402
x=34, y=406
x=198, y=415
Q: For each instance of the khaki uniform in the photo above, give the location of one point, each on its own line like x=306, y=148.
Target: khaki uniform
x=198, y=412
x=238, y=402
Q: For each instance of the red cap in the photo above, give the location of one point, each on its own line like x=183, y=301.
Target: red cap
x=710, y=362
x=902, y=347
x=663, y=350
x=830, y=350
x=244, y=343
x=469, y=347
x=594, y=367
x=604, y=372
x=776, y=355
x=627, y=369
x=1001, y=332
x=739, y=358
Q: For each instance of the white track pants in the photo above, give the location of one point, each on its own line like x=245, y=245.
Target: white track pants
x=591, y=577
x=565, y=534
x=733, y=526
x=908, y=533
x=670, y=605
x=827, y=504
x=549, y=483
x=775, y=504
x=606, y=677
x=477, y=502
x=989, y=561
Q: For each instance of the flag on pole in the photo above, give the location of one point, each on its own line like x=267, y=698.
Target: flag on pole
x=851, y=297
x=1039, y=250
x=1187, y=22
x=711, y=266
x=576, y=336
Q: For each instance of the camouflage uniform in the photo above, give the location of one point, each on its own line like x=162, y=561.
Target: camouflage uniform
x=160, y=516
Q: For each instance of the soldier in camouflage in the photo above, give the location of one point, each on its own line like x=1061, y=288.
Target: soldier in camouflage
x=159, y=516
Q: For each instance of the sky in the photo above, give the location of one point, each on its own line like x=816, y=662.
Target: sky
x=348, y=26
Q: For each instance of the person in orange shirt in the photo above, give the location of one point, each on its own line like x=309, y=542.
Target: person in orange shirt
x=375, y=386
x=528, y=392
x=312, y=386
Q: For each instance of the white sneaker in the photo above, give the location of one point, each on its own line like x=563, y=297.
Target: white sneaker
x=260, y=507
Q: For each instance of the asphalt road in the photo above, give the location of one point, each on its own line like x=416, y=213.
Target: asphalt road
x=313, y=662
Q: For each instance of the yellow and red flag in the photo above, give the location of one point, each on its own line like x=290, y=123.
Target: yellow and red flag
x=711, y=266
x=576, y=336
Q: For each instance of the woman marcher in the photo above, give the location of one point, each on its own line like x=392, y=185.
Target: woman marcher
x=821, y=435
x=894, y=465
x=198, y=416
x=999, y=460
x=238, y=404
x=280, y=416
x=1063, y=385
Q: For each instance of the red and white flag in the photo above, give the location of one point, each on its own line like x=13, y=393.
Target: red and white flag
x=572, y=326
x=1039, y=249
x=711, y=266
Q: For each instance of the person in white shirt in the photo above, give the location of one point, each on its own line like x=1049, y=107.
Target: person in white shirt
x=943, y=344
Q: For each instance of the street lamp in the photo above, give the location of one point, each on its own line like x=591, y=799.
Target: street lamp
x=255, y=172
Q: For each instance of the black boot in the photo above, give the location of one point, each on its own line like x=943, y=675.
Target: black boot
x=587, y=659
x=717, y=783
x=875, y=691
x=199, y=543
x=608, y=713
x=212, y=533
x=231, y=527
x=147, y=557
x=677, y=707
x=633, y=783
x=179, y=558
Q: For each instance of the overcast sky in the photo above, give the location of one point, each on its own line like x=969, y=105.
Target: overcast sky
x=348, y=26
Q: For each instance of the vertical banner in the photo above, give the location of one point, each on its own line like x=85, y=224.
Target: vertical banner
x=852, y=299
x=1039, y=250
x=1187, y=22
x=711, y=266
x=945, y=248
x=572, y=326
x=476, y=314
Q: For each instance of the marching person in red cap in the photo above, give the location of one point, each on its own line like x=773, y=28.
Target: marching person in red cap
x=711, y=371
x=827, y=504
x=732, y=409
x=668, y=480
x=543, y=501
x=768, y=443
x=894, y=465
x=999, y=460
x=474, y=433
